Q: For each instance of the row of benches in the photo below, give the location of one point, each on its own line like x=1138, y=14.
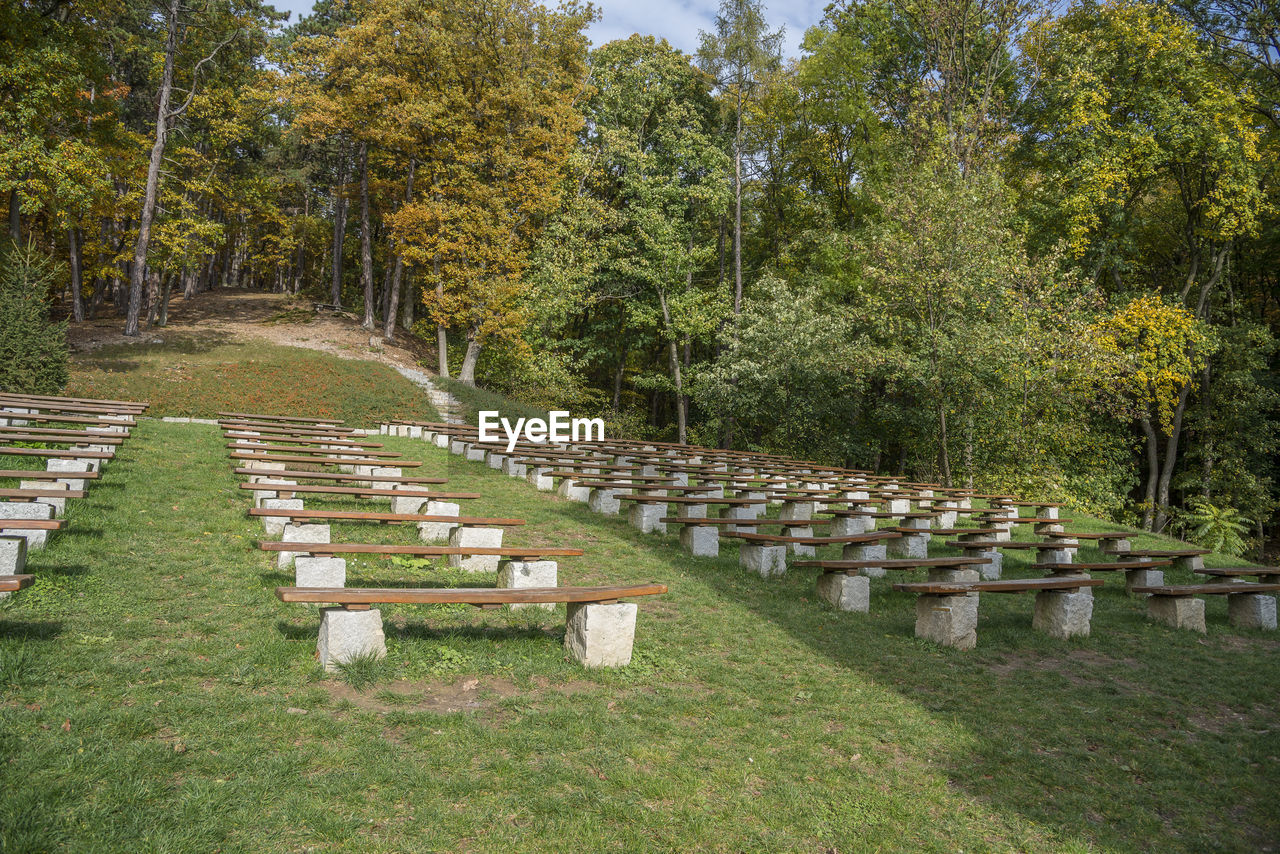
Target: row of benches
x=75, y=437
x=599, y=628
x=597, y=474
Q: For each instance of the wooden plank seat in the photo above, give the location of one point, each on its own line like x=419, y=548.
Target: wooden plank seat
x=347, y=477
x=311, y=429
x=324, y=461
x=33, y=494
x=846, y=584
x=321, y=489
x=361, y=516
x=1248, y=606
x=947, y=610
x=599, y=630
x=33, y=418
x=1137, y=573
x=57, y=453
x=18, y=408
x=14, y=583
x=32, y=524
x=1258, y=572
x=524, y=553
x=53, y=436
x=58, y=398
x=306, y=441
x=290, y=449
x=1190, y=559
x=41, y=474
x=288, y=419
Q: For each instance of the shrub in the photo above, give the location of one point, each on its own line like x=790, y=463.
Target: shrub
x=1221, y=529
x=33, y=349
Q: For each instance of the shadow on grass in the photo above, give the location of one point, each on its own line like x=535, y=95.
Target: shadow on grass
x=29, y=629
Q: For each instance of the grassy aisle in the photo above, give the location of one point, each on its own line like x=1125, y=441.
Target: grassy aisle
x=157, y=697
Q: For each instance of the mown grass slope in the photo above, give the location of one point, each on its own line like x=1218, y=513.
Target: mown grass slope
x=157, y=697
x=198, y=374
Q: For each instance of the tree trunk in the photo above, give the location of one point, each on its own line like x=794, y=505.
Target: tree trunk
x=410, y=297
x=15, y=216
x=366, y=239
x=468, y=373
x=737, y=212
x=393, y=305
x=673, y=356
x=442, y=341
x=1170, y=461
x=1153, y=473
x=617, y=378
x=139, y=271
x=162, y=318
x=190, y=281
x=77, y=282
x=944, y=458
x=339, y=234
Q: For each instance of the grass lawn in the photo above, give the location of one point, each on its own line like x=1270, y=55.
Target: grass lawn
x=156, y=696
x=196, y=375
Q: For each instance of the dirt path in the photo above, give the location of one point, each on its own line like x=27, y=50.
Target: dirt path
x=277, y=319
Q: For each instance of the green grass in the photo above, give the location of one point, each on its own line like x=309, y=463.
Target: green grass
x=198, y=375
x=472, y=399
x=155, y=696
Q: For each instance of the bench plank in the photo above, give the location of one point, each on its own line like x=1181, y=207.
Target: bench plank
x=1004, y=585
x=463, y=595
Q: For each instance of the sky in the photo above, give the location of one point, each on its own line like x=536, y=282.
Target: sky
x=678, y=21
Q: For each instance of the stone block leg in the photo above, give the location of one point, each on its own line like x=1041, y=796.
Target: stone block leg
x=768, y=561
x=528, y=573
x=438, y=532
x=867, y=551
x=485, y=538
x=913, y=546
x=700, y=540
x=846, y=592
x=300, y=534
x=949, y=620
x=59, y=505
x=1063, y=613
x=347, y=635
x=13, y=557
x=1180, y=612
x=1249, y=611
x=1143, y=578
x=645, y=518
x=407, y=503
x=70, y=467
x=604, y=501
x=320, y=571
x=991, y=571
x=274, y=525
x=600, y=635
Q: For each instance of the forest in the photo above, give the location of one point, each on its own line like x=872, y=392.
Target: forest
x=1026, y=246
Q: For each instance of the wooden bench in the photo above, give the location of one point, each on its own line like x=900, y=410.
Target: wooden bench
x=599, y=630
x=767, y=553
x=308, y=451
x=61, y=437
x=344, y=477
x=1137, y=573
x=1247, y=605
x=402, y=500
x=39, y=474
x=276, y=419
x=319, y=461
x=947, y=611
x=1111, y=542
x=433, y=527
x=846, y=584
x=1258, y=572
x=14, y=583
x=1189, y=559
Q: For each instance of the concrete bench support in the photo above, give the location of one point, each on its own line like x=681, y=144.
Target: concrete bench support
x=1063, y=613
x=1145, y=578
x=438, y=532
x=1252, y=611
x=914, y=545
x=13, y=557
x=646, y=518
x=346, y=635
x=948, y=620
x=292, y=533
x=768, y=561
x=69, y=466
x=540, y=478
x=319, y=571
x=274, y=525
x=1180, y=612
x=850, y=526
x=487, y=538
x=528, y=573
x=407, y=503
x=26, y=510
x=867, y=551
x=59, y=505
x=600, y=635
x=700, y=540
x=604, y=501
x=264, y=495
x=845, y=592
